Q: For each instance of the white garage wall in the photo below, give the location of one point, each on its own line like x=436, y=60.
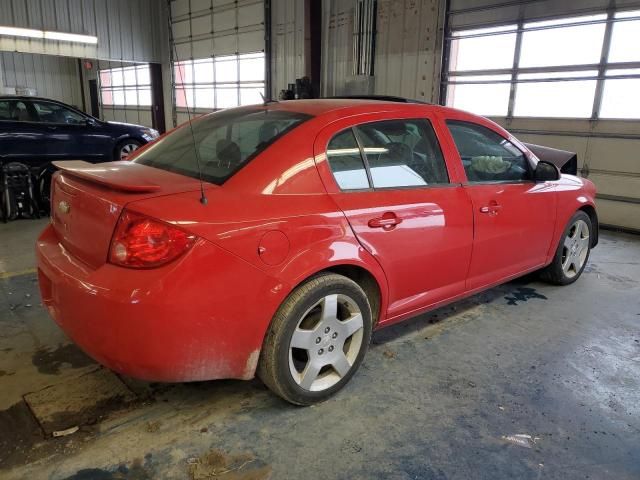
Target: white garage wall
x=287, y=44
x=126, y=29
x=407, y=50
x=607, y=149
x=51, y=77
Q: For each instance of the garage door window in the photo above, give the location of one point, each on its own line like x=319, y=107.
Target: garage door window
x=220, y=82
x=126, y=86
x=551, y=68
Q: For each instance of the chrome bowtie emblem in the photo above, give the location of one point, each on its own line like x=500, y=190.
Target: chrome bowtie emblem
x=64, y=207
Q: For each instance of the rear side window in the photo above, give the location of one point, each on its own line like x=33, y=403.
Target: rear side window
x=487, y=156
x=346, y=162
x=224, y=142
x=15, y=111
x=390, y=154
x=402, y=153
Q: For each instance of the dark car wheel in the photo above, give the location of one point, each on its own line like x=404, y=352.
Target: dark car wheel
x=126, y=147
x=317, y=340
x=573, y=251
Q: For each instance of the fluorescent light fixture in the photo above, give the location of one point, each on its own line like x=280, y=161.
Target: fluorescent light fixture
x=21, y=32
x=60, y=36
x=70, y=37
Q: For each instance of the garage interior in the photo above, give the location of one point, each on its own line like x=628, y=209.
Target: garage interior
x=524, y=381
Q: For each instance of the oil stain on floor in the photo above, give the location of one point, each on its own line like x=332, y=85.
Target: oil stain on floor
x=48, y=361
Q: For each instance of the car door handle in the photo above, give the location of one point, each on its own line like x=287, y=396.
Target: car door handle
x=387, y=221
x=493, y=208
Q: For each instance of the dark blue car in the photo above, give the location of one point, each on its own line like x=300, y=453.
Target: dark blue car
x=36, y=131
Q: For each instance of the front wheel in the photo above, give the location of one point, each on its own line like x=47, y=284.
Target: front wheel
x=317, y=340
x=573, y=251
x=126, y=148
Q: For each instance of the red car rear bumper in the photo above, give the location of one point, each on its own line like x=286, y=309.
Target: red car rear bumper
x=186, y=321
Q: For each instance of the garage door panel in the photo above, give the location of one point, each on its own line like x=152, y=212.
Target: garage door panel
x=202, y=48
x=619, y=213
x=200, y=5
x=201, y=25
x=179, y=7
x=183, y=51
x=251, y=41
x=181, y=30
x=615, y=154
x=251, y=15
x=224, y=20
x=618, y=185
x=225, y=45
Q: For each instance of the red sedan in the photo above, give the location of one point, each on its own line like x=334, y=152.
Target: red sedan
x=273, y=239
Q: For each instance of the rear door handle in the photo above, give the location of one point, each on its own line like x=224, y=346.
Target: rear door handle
x=387, y=221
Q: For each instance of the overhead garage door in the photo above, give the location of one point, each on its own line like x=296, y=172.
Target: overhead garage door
x=562, y=74
x=219, y=54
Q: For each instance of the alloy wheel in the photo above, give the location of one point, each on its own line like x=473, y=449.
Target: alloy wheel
x=127, y=149
x=326, y=342
x=575, y=249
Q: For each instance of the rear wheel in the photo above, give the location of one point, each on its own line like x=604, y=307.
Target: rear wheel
x=573, y=252
x=317, y=340
x=126, y=148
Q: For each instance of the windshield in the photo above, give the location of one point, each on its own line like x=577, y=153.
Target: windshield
x=225, y=142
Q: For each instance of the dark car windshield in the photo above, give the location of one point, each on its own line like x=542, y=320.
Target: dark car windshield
x=225, y=142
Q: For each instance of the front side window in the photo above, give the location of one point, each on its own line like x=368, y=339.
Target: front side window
x=223, y=143
x=486, y=156
x=54, y=113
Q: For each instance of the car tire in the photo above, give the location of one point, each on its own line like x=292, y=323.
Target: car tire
x=317, y=339
x=126, y=147
x=573, y=251
x=44, y=188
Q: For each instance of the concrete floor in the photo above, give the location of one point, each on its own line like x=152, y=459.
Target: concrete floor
x=443, y=396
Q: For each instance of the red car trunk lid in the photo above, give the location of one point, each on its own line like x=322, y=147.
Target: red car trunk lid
x=87, y=199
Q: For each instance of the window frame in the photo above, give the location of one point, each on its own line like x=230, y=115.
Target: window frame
x=612, y=17
x=367, y=167
x=525, y=154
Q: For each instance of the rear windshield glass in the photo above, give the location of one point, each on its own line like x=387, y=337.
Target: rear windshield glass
x=225, y=142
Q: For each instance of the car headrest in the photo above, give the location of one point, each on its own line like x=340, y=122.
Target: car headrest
x=228, y=151
x=423, y=147
x=21, y=114
x=267, y=132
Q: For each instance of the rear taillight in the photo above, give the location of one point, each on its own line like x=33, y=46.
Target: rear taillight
x=143, y=242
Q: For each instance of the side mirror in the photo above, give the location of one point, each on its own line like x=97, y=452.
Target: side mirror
x=546, y=171
x=91, y=122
